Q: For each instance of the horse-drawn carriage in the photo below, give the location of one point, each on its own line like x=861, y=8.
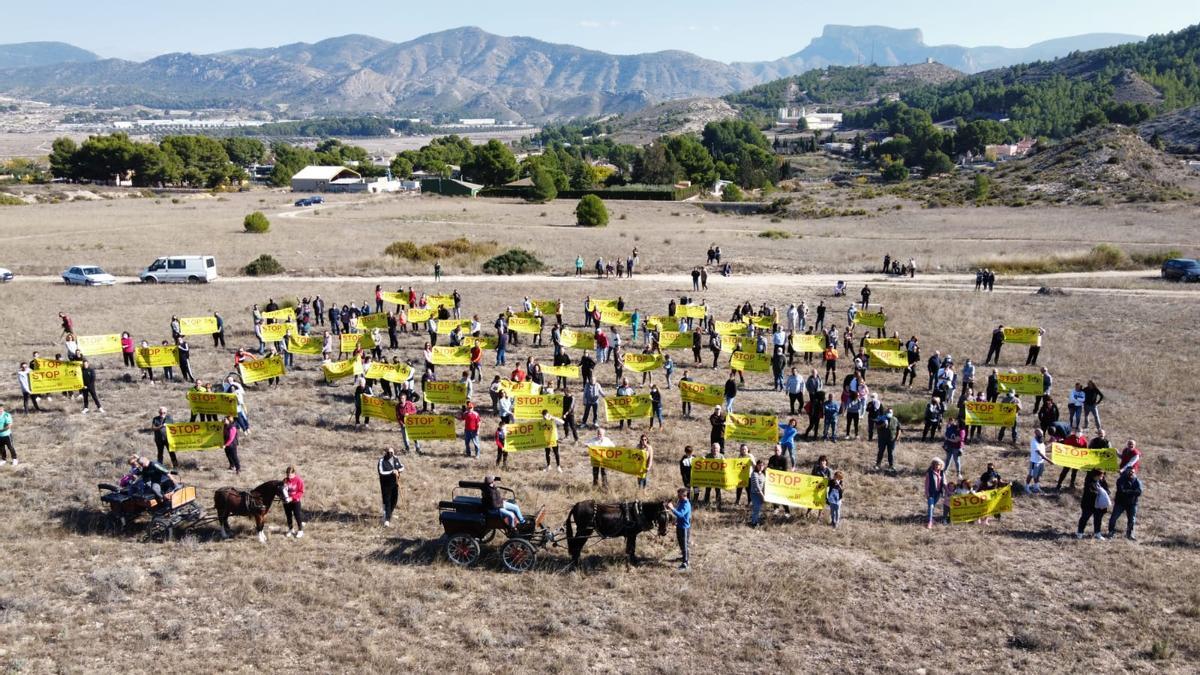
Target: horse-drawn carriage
x=172, y=512
x=469, y=526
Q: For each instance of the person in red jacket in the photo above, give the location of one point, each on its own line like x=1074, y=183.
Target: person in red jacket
x=470, y=420
x=517, y=375
x=1078, y=440
x=1131, y=457
x=293, y=492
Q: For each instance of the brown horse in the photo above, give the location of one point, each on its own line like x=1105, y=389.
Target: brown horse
x=626, y=519
x=255, y=503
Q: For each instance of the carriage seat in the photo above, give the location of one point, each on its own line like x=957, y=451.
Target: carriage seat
x=474, y=484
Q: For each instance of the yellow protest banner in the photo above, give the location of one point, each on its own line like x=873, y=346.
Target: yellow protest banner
x=283, y=314
x=1072, y=457
x=439, y=301
x=1022, y=383
x=276, y=332
x=262, y=369
x=1021, y=335
x=885, y=344
x=420, y=314
x=96, y=345
x=430, y=427
x=633, y=461
x=452, y=356
x=634, y=407
x=801, y=490
x=212, y=403
x=701, y=394
x=484, y=341
x=569, y=372
x=195, y=436
x=547, y=307
x=691, y=311
x=525, y=325
x=305, y=344
x=54, y=376
x=532, y=435
x=724, y=474
x=398, y=373
x=757, y=363
x=596, y=303
x=530, y=406
x=663, y=323
x=981, y=414
x=671, y=340
x=613, y=317
x=517, y=388
x=763, y=322
x=398, y=299
x=886, y=358
x=197, y=325
x=730, y=345
x=448, y=393
x=573, y=339
x=379, y=408
x=369, y=321
x=641, y=363
x=805, y=343
x=161, y=356
x=752, y=428
x=731, y=328
x=348, y=342
x=447, y=326
x=965, y=508
x=336, y=370
x=871, y=319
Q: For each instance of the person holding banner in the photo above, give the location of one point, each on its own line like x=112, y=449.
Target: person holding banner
x=158, y=426
x=1037, y=462
x=1094, y=503
x=993, y=353
x=230, y=434
x=127, y=350
x=681, y=511
x=6, y=443
x=756, y=489
x=1129, y=491
x=547, y=417
x=834, y=494
x=1035, y=348
x=717, y=451
x=27, y=395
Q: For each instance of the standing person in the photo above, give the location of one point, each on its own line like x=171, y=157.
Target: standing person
x=185, y=353
x=1034, y=349
x=1094, y=503
x=6, y=442
x=756, y=489
x=716, y=421
x=794, y=386
x=993, y=354
x=471, y=420
x=833, y=498
x=547, y=417
x=1092, y=398
x=1129, y=491
x=717, y=451
x=866, y=296
x=127, y=350
x=1047, y=382
x=644, y=445
x=1075, y=401
x=592, y=393
x=293, y=492
x=437, y=270
x=935, y=485
x=888, y=428
x=578, y=265
x=787, y=442
x=832, y=409
x=159, y=426
x=934, y=410
x=681, y=510
x=569, y=427
x=953, y=442
x=230, y=434
x=731, y=391
x=656, y=404
x=599, y=473
x=219, y=336
x=389, y=469
x=89, y=386
x=1037, y=462
x=27, y=395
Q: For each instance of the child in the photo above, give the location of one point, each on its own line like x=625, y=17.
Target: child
x=833, y=497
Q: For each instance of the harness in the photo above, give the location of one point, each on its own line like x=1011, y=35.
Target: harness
x=631, y=516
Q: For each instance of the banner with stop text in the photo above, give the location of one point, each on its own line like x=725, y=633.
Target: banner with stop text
x=731, y=328
x=439, y=301
x=886, y=344
x=336, y=370
x=547, y=307
x=530, y=406
x=398, y=299
x=752, y=428
x=574, y=339
x=161, y=356
x=788, y=488
x=981, y=414
x=212, y=403
x=613, y=317
x=691, y=311
x=447, y=326
x=371, y=321
x=55, y=376
x=617, y=408
x=888, y=358
x=531, y=435
x=721, y=473
x=871, y=319
x=568, y=372
x=197, y=325
x=430, y=427
x=517, y=388
x=420, y=314
x=1021, y=335
x=1030, y=384
x=965, y=508
x=750, y=361
x=701, y=394
x=760, y=322
x=195, y=436
x=276, y=332
x=283, y=314
x=730, y=345
x=310, y=345
x=641, y=363
x=1072, y=457
x=484, y=341
x=97, y=345
x=261, y=369
x=448, y=393
x=348, y=342
x=597, y=303
x=633, y=461
x=452, y=356
x=673, y=340
x=397, y=373
x=379, y=408
x=663, y=323
x=526, y=325
x=805, y=343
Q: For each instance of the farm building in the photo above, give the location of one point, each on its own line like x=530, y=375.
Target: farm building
x=449, y=187
x=320, y=178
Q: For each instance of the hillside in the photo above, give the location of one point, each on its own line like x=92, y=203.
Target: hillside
x=671, y=117
x=1179, y=130
x=842, y=86
x=33, y=54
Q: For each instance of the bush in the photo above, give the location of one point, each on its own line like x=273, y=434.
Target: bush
x=256, y=222
x=590, y=212
x=732, y=193
x=514, y=261
x=10, y=200
x=774, y=234
x=1101, y=257
x=447, y=248
x=263, y=265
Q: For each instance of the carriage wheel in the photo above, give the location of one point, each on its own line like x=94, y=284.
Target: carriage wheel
x=463, y=550
x=518, y=555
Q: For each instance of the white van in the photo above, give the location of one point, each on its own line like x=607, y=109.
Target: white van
x=192, y=269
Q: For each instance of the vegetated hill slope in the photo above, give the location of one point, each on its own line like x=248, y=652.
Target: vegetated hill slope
x=1179, y=130
x=842, y=86
x=32, y=54
x=671, y=117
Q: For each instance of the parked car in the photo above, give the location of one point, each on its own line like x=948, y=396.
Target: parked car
x=316, y=199
x=5, y=275
x=1182, y=269
x=87, y=275
x=304, y=202
x=192, y=269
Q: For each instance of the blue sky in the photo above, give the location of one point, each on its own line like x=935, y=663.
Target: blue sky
x=726, y=31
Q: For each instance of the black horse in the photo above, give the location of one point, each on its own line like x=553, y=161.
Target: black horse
x=626, y=519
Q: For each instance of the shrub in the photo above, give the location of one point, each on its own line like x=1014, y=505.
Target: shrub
x=590, y=212
x=514, y=261
x=543, y=189
x=263, y=265
x=910, y=413
x=1101, y=257
x=774, y=234
x=732, y=193
x=256, y=222
x=447, y=248
x=10, y=200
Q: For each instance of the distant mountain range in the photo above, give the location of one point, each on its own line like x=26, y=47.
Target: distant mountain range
x=465, y=72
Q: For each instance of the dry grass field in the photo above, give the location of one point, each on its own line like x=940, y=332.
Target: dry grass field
x=881, y=592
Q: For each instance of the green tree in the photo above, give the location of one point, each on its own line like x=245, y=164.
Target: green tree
x=936, y=163
x=401, y=167
x=543, y=189
x=1092, y=118
x=981, y=188
x=244, y=151
x=289, y=159
x=692, y=158
x=591, y=212
x=256, y=223
x=492, y=164
x=153, y=167
x=732, y=193
x=203, y=160
x=102, y=158
x=895, y=171
x=658, y=167
x=62, y=158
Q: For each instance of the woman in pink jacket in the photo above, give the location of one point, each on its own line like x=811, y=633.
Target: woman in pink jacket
x=293, y=492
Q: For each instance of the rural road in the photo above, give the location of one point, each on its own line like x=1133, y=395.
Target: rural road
x=939, y=282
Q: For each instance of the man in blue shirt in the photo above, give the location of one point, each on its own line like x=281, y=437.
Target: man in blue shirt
x=6, y=445
x=787, y=440
x=682, y=511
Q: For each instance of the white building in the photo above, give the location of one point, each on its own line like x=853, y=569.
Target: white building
x=814, y=120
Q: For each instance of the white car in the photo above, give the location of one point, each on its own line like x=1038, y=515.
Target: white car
x=88, y=275
x=5, y=275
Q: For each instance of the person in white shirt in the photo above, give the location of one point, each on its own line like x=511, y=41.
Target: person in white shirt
x=599, y=474
x=1037, y=462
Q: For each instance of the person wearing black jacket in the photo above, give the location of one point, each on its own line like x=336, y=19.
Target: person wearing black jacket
x=716, y=432
x=933, y=366
x=1092, y=397
x=185, y=353
x=685, y=471
x=1129, y=491
x=159, y=426
x=569, y=416
x=587, y=366
x=992, y=391
x=697, y=344
x=1092, y=504
x=731, y=390
x=389, y=469
x=89, y=386
x=994, y=347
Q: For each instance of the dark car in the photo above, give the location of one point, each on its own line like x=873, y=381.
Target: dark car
x=304, y=202
x=1182, y=269
x=316, y=199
